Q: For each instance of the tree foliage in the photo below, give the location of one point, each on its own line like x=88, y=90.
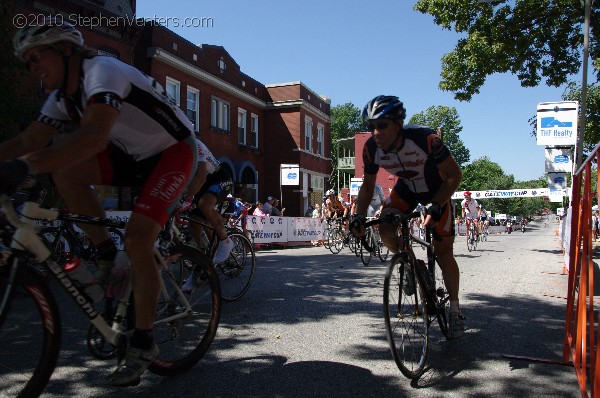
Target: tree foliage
x=448, y=120
x=18, y=103
x=532, y=39
x=345, y=121
x=592, y=124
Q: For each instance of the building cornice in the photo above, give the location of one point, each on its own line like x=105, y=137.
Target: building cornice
x=168, y=58
x=301, y=103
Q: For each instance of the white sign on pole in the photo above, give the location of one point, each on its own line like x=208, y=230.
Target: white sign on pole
x=290, y=174
x=557, y=123
x=559, y=160
x=355, y=184
x=557, y=181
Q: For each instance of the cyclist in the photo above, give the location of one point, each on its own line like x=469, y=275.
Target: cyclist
x=483, y=219
x=470, y=212
x=427, y=174
x=376, y=202
x=210, y=185
x=128, y=132
x=335, y=207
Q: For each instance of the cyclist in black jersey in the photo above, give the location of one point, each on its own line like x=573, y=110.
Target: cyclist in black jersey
x=427, y=173
x=128, y=132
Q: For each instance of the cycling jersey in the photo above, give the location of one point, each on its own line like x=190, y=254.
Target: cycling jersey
x=152, y=137
x=415, y=165
x=335, y=206
x=149, y=119
x=218, y=181
x=471, y=208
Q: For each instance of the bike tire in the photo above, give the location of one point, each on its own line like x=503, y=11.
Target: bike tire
x=236, y=273
x=365, y=255
x=336, y=241
x=183, y=342
x=441, y=299
x=326, y=233
x=30, y=335
x=406, y=320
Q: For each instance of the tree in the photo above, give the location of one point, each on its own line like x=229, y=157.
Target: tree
x=345, y=121
x=447, y=119
x=483, y=174
x=592, y=124
x=529, y=38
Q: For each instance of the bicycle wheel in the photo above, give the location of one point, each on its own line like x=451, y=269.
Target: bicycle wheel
x=442, y=299
x=406, y=319
x=183, y=341
x=59, y=243
x=326, y=233
x=30, y=333
x=365, y=255
x=336, y=241
x=470, y=239
x=382, y=250
x=236, y=273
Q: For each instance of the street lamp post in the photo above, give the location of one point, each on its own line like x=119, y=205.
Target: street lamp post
x=582, y=116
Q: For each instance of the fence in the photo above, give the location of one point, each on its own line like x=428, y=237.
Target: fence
x=581, y=326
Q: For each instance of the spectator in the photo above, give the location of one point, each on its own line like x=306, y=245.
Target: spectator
x=258, y=211
x=268, y=206
x=276, y=211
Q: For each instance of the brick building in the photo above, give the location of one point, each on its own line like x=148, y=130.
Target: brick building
x=251, y=127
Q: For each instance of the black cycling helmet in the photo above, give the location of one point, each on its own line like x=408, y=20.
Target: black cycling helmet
x=384, y=106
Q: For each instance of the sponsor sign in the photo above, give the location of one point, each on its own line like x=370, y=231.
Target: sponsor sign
x=290, y=174
x=509, y=193
x=557, y=181
x=557, y=123
x=559, y=160
x=355, y=184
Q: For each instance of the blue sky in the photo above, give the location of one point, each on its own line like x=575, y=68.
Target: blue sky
x=353, y=50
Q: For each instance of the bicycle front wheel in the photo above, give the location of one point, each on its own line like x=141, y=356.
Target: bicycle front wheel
x=336, y=241
x=406, y=319
x=236, y=273
x=30, y=333
x=365, y=255
x=185, y=325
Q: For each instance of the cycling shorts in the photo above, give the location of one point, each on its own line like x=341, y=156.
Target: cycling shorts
x=162, y=177
x=407, y=203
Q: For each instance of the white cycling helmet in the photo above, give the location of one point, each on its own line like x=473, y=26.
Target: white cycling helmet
x=330, y=192
x=49, y=31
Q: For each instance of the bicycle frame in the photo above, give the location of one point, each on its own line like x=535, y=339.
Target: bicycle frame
x=25, y=239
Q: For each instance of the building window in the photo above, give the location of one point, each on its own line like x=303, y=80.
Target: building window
x=320, y=139
x=253, y=141
x=308, y=134
x=241, y=126
x=192, y=106
x=172, y=88
x=219, y=114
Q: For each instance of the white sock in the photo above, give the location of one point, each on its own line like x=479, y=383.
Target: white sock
x=454, y=306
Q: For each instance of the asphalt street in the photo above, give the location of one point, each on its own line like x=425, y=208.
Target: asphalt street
x=311, y=325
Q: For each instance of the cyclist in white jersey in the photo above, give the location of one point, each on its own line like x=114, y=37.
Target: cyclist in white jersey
x=470, y=211
x=128, y=133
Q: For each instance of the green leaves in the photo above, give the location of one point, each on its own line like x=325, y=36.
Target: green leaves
x=533, y=39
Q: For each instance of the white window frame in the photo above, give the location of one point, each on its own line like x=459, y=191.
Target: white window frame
x=219, y=113
x=176, y=85
x=320, y=139
x=308, y=124
x=253, y=130
x=242, y=130
x=196, y=109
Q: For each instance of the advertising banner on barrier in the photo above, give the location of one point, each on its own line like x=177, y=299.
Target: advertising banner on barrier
x=302, y=229
x=268, y=229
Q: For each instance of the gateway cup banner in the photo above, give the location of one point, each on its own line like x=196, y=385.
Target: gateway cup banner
x=510, y=193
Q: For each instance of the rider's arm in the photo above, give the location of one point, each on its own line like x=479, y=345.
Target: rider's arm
x=198, y=180
x=83, y=143
x=365, y=194
x=35, y=137
x=451, y=175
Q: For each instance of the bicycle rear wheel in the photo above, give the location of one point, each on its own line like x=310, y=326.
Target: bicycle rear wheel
x=183, y=341
x=406, y=319
x=30, y=333
x=236, y=273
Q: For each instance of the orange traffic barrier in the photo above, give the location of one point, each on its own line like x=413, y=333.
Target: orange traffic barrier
x=581, y=327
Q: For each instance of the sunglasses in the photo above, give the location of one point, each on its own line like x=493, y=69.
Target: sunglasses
x=378, y=126
x=36, y=57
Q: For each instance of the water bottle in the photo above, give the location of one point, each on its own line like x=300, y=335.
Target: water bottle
x=118, y=276
x=78, y=271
